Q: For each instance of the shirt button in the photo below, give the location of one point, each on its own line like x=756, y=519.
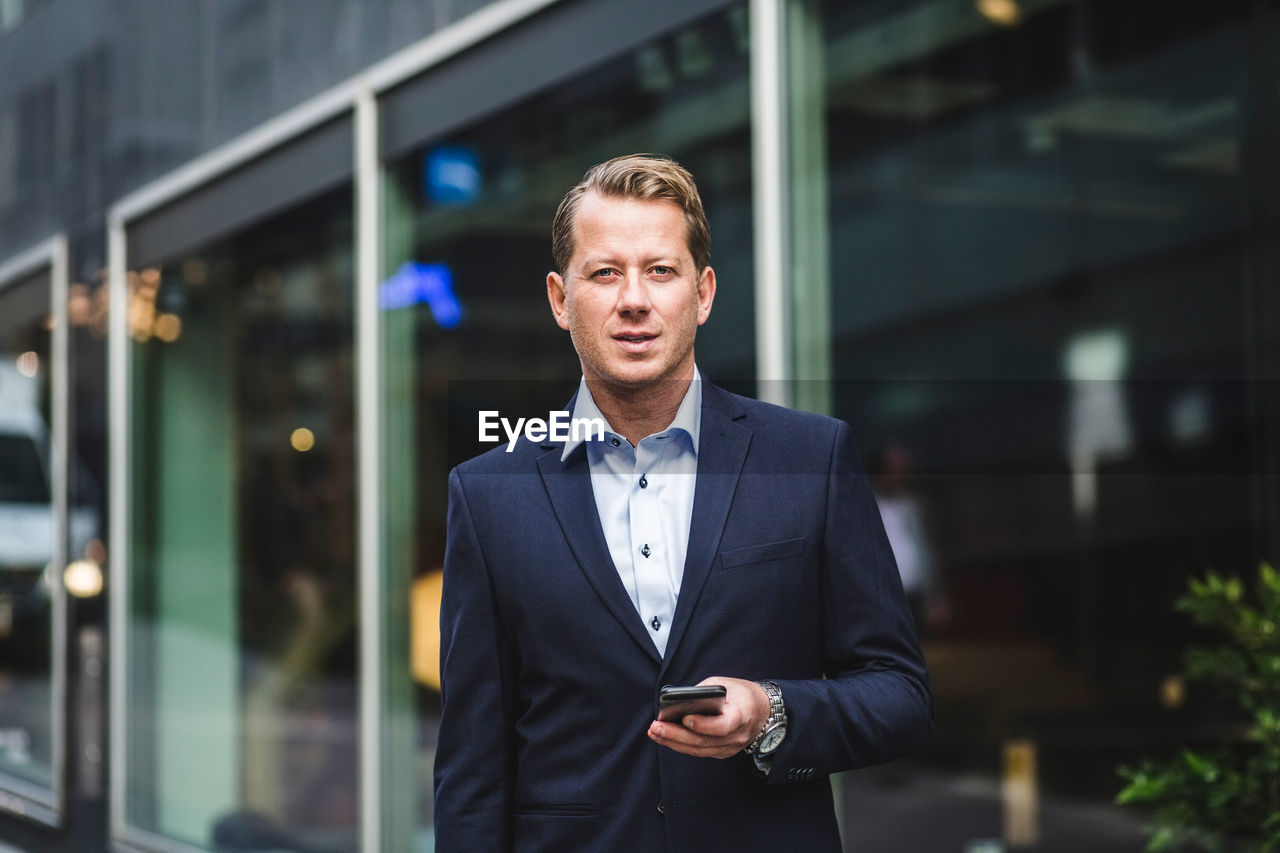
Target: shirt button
x=616, y=443
x=655, y=623
x=644, y=483
x=646, y=550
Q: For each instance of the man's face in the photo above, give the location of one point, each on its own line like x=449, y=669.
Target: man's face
x=631, y=298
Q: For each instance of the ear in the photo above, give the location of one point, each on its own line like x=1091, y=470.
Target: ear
x=706, y=294
x=556, y=296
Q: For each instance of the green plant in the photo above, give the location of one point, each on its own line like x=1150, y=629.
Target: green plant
x=1226, y=799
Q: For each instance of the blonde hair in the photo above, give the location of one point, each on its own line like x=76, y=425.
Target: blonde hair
x=643, y=177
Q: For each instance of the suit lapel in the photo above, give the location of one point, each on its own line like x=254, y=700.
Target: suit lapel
x=722, y=449
x=569, y=485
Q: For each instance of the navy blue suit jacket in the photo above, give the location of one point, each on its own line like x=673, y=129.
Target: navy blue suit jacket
x=550, y=679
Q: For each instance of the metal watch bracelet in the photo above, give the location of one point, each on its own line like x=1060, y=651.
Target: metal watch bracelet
x=777, y=714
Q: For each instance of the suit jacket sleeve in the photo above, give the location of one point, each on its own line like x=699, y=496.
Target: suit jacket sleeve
x=874, y=704
x=473, y=764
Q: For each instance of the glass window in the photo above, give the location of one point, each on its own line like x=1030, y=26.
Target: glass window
x=465, y=315
x=28, y=578
x=242, y=690
x=1041, y=317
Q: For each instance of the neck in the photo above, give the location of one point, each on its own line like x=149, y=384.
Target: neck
x=637, y=412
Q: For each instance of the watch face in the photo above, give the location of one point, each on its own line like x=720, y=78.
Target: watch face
x=772, y=740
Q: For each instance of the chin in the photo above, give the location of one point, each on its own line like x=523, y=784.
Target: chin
x=632, y=381
x=635, y=378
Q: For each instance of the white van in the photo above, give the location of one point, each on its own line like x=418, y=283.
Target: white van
x=26, y=504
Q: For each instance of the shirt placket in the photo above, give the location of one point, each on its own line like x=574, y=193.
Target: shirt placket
x=651, y=553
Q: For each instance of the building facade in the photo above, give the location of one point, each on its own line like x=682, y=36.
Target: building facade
x=261, y=264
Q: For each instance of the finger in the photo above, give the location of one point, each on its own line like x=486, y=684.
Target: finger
x=668, y=734
x=719, y=725
x=695, y=750
x=734, y=739
x=691, y=743
x=703, y=753
x=672, y=733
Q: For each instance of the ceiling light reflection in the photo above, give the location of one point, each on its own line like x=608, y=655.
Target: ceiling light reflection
x=29, y=364
x=1002, y=13
x=302, y=439
x=83, y=578
x=167, y=327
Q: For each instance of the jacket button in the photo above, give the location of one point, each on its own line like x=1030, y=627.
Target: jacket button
x=661, y=808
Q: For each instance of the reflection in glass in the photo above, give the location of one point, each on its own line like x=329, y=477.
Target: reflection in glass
x=465, y=315
x=242, y=696
x=27, y=532
x=1040, y=287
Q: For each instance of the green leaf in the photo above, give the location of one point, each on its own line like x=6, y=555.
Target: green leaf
x=1162, y=839
x=1143, y=788
x=1202, y=767
x=1268, y=580
x=1234, y=589
x=1268, y=720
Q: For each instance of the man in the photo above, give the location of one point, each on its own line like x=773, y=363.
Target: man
x=903, y=517
x=707, y=538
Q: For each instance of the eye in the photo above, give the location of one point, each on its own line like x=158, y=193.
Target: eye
x=663, y=271
x=606, y=272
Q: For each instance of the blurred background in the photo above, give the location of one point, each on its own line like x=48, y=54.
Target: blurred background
x=261, y=261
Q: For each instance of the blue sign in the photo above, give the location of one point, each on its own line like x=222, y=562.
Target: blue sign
x=451, y=175
x=417, y=283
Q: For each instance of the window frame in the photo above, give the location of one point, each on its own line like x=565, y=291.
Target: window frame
x=49, y=259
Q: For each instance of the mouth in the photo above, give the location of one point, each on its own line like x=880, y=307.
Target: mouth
x=635, y=342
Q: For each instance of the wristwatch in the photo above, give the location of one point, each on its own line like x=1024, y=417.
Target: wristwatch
x=775, y=728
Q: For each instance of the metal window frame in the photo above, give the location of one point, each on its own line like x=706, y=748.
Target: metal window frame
x=369, y=462
x=772, y=191
x=48, y=805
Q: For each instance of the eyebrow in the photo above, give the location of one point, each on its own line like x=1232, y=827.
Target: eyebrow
x=605, y=261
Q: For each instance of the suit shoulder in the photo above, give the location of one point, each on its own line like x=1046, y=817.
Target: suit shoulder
x=796, y=422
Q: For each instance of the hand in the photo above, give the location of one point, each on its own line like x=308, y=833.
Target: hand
x=746, y=708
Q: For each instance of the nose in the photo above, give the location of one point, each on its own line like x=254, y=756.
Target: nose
x=633, y=296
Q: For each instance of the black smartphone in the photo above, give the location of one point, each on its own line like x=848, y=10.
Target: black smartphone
x=676, y=702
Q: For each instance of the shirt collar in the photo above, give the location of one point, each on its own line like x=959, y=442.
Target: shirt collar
x=688, y=417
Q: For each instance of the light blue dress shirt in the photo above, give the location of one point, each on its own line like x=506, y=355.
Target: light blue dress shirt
x=644, y=496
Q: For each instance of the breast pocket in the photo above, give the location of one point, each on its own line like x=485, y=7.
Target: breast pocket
x=555, y=810
x=548, y=826
x=765, y=553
